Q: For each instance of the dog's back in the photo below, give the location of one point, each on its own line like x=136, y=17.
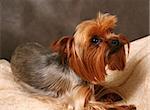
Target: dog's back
x=28, y=60
x=34, y=65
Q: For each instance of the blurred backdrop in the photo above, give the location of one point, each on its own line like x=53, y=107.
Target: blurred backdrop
x=46, y=20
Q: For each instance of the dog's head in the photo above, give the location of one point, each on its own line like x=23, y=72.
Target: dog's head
x=93, y=47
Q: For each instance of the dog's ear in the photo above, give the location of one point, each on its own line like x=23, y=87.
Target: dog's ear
x=117, y=60
x=61, y=45
x=125, y=41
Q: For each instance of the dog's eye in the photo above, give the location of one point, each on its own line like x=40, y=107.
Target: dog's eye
x=115, y=43
x=96, y=40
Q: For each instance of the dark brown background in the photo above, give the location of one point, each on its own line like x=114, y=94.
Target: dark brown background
x=45, y=20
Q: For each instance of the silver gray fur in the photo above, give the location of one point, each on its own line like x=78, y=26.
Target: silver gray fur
x=37, y=67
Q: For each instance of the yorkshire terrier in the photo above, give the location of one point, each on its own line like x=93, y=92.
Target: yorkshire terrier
x=74, y=64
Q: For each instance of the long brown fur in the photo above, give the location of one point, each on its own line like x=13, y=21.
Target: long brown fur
x=68, y=74
x=87, y=60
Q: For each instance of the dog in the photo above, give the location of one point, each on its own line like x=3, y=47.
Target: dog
x=74, y=65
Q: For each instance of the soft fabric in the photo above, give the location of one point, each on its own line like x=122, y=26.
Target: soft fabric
x=11, y=96
x=132, y=83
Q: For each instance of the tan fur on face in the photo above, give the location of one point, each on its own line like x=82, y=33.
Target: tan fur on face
x=90, y=61
x=101, y=25
x=87, y=60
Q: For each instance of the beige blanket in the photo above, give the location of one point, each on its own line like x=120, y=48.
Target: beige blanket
x=133, y=83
